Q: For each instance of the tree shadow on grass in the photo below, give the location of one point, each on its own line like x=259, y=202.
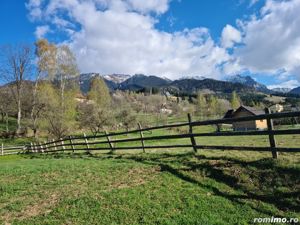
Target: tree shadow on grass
x=261, y=180
x=256, y=181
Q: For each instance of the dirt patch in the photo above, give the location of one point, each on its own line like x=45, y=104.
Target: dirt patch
x=40, y=206
x=135, y=177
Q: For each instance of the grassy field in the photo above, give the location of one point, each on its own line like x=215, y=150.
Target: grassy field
x=157, y=187
x=215, y=187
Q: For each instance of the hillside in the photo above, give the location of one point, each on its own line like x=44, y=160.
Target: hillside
x=295, y=91
x=184, y=85
x=282, y=90
x=141, y=81
x=250, y=82
x=192, y=86
x=167, y=188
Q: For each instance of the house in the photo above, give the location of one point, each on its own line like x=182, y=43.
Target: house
x=165, y=110
x=80, y=98
x=244, y=111
x=276, y=108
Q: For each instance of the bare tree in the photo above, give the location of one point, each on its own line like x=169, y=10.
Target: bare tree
x=15, y=66
x=66, y=68
x=46, y=65
x=6, y=107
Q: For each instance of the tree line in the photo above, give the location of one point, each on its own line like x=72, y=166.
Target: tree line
x=42, y=92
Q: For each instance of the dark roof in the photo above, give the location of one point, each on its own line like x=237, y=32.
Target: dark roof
x=228, y=114
x=252, y=110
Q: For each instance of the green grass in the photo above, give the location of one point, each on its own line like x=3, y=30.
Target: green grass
x=12, y=124
x=16, y=141
x=158, y=187
x=216, y=187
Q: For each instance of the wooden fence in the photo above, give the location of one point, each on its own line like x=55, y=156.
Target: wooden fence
x=11, y=150
x=107, y=142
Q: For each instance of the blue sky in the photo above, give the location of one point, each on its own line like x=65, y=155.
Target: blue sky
x=213, y=14
x=170, y=38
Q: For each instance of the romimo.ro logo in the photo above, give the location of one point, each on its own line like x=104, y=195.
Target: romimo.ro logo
x=276, y=220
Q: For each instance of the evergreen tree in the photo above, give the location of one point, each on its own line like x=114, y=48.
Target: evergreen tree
x=97, y=114
x=235, y=100
x=99, y=93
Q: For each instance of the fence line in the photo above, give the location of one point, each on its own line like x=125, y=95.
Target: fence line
x=78, y=143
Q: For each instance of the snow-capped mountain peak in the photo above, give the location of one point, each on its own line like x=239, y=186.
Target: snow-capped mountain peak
x=196, y=77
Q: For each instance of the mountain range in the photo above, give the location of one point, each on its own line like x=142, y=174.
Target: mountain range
x=250, y=82
x=295, y=91
x=281, y=90
x=187, y=85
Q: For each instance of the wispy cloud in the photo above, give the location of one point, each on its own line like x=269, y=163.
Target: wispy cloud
x=41, y=31
x=120, y=36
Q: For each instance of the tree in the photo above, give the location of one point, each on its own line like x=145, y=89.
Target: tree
x=127, y=117
x=56, y=122
x=212, y=103
x=96, y=113
x=46, y=65
x=235, y=100
x=66, y=68
x=15, y=66
x=58, y=64
x=90, y=116
x=6, y=106
x=99, y=93
x=201, y=104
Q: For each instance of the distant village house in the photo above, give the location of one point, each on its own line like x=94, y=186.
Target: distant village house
x=276, y=108
x=244, y=111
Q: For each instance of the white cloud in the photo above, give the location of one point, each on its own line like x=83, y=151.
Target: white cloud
x=287, y=84
x=157, y=6
x=34, y=9
x=272, y=41
x=253, y=2
x=120, y=37
x=41, y=31
x=230, y=36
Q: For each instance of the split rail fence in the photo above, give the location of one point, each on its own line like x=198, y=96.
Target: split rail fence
x=108, y=141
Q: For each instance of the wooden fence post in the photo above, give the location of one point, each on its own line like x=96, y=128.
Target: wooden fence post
x=25, y=149
x=193, y=141
x=31, y=147
x=108, y=140
x=46, y=147
x=54, y=143
x=71, y=142
x=86, y=142
x=271, y=135
x=63, y=144
x=2, y=148
x=40, y=149
x=142, y=137
x=35, y=147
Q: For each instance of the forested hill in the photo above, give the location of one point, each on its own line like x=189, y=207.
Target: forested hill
x=186, y=85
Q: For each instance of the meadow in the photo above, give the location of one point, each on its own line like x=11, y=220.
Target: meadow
x=157, y=187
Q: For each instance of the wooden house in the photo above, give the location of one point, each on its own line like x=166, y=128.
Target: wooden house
x=276, y=108
x=244, y=111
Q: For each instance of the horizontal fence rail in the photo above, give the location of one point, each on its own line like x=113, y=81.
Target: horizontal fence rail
x=12, y=150
x=108, y=141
